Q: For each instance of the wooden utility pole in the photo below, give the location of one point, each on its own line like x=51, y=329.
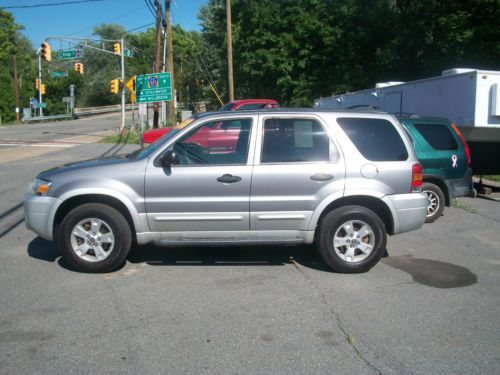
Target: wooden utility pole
x=16, y=86
x=170, y=64
x=157, y=67
x=229, y=50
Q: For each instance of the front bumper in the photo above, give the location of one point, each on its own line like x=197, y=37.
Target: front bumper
x=408, y=211
x=39, y=213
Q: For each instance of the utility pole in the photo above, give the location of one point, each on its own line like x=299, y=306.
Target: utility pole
x=157, y=68
x=122, y=43
x=16, y=85
x=40, y=82
x=170, y=63
x=229, y=50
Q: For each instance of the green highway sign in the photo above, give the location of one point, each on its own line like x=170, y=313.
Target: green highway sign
x=41, y=105
x=58, y=74
x=153, y=88
x=71, y=54
x=128, y=52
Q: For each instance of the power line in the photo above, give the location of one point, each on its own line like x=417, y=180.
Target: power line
x=50, y=4
x=109, y=20
x=140, y=27
x=150, y=9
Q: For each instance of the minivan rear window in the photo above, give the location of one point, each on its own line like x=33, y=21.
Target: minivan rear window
x=376, y=139
x=438, y=136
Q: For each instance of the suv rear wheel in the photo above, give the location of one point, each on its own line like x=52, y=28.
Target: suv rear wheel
x=351, y=239
x=94, y=237
x=436, y=202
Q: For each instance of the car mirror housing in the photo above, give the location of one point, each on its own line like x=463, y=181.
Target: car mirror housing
x=169, y=158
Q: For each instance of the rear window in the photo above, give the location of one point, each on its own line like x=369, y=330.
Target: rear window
x=376, y=139
x=438, y=136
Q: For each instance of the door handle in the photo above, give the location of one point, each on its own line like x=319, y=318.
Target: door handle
x=321, y=177
x=228, y=179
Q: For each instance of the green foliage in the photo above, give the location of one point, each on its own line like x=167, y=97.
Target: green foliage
x=12, y=42
x=127, y=137
x=297, y=50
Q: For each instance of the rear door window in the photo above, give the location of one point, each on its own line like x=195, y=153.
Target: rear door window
x=438, y=136
x=294, y=140
x=376, y=139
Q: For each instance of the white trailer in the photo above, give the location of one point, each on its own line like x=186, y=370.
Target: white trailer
x=468, y=97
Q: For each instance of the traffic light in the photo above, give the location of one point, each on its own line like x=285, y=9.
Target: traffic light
x=117, y=47
x=43, y=89
x=114, y=86
x=79, y=68
x=46, y=51
x=37, y=84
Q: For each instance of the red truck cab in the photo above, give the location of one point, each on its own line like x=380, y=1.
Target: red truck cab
x=236, y=105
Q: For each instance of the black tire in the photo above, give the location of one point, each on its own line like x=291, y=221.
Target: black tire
x=436, y=202
x=334, y=222
x=113, y=220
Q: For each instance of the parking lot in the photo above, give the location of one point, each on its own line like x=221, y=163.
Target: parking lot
x=430, y=307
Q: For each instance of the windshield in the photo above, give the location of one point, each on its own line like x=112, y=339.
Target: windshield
x=154, y=146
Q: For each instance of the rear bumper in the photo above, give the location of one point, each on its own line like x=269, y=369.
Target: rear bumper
x=408, y=211
x=462, y=186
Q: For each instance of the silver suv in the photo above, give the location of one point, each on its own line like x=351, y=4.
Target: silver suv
x=342, y=180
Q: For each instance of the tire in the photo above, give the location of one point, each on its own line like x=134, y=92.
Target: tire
x=436, y=202
x=94, y=238
x=345, y=253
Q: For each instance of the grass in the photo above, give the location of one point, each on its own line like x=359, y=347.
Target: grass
x=130, y=137
x=455, y=203
x=492, y=177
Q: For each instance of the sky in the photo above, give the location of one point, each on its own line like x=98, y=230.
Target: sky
x=79, y=19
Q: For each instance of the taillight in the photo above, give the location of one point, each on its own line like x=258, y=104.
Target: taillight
x=464, y=142
x=416, y=178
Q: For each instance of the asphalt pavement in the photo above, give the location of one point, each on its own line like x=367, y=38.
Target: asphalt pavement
x=430, y=307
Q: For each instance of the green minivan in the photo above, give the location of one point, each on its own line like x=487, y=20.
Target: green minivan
x=445, y=158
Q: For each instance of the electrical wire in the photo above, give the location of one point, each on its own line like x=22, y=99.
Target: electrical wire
x=150, y=9
x=50, y=4
x=140, y=27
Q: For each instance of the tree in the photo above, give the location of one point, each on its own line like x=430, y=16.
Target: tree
x=297, y=50
x=12, y=42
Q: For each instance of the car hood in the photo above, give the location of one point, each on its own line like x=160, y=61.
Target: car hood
x=85, y=164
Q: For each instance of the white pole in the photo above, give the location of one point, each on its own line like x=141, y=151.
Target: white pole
x=123, y=83
x=40, y=82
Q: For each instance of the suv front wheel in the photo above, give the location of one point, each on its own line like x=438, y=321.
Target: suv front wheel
x=351, y=239
x=94, y=237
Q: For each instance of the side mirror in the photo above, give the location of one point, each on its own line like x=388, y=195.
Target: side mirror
x=169, y=158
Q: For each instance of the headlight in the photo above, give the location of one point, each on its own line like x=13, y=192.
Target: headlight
x=40, y=187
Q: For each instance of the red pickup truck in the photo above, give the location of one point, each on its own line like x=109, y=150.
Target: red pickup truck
x=236, y=105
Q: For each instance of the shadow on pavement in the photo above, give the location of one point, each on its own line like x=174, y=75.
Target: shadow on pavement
x=200, y=256
x=43, y=250
x=227, y=256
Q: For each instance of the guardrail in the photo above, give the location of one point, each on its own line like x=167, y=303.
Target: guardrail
x=88, y=111
x=80, y=112
x=47, y=118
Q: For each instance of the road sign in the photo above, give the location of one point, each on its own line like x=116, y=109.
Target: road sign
x=128, y=52
x=131, y=84
x=58, y=74
x=66, y=99
x=42, y=105
x=153, y=88
x=71, y=54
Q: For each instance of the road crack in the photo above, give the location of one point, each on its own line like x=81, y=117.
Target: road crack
x=348, y=337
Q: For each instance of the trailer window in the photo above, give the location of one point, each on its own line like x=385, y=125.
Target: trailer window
x=376, y=139
x=438, y=136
